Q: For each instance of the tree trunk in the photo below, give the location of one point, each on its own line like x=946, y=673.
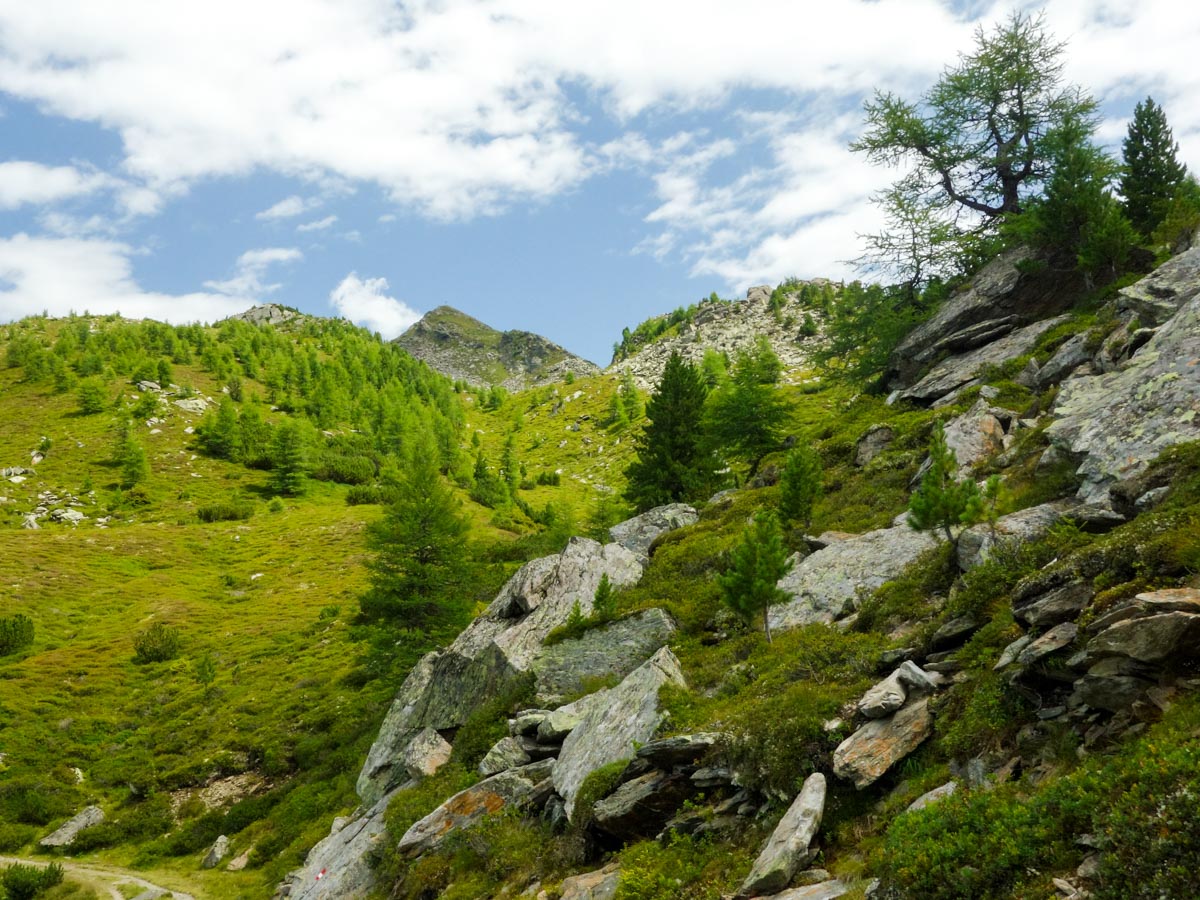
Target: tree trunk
x=767, y=623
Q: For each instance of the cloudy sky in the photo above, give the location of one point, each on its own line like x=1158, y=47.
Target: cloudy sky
x=562, y=166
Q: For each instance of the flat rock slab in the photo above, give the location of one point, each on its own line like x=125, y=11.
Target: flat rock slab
x=638, y=533
x=939, y=793
x=868, y=753
x=640, y=808
x=789, y=846
x=508, y=790
x=615, y=649
x=1150, y=639
x=611, y=729
x=1057, y=638
x=826, y=890
x=599, y=885
x=507, y=753
x=65, y=834
x=977, y=543
x=827, y=584
x=1118, y=422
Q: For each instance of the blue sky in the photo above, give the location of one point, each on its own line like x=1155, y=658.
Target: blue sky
x=561, y=167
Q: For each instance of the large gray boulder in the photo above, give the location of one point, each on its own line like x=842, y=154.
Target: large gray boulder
x=1164, y=291
x=611, y=730
x=1118, y=422
x=827, y=585
x=977, y=543
x=599, y=885
x=445, y=687
x=515, y=789
x=427, y=752
x=640, y=807
x=340, y=865
x=790, y=845
x=217, y=852
x=907, y=681
x=507, y=753
x=638, y=533
x=1150, y=639
x=65, y=834
x=615, y=649
x=975, y=436
x=825, y=890
x=952, y=375
x=881, y=743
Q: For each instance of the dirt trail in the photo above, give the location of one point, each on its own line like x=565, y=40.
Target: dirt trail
x=103, y=878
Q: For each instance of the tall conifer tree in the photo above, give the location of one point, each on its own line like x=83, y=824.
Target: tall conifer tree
x=1152, y=172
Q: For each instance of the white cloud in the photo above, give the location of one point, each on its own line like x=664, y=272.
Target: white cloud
x=60, y=275
x=247, y=278
x=288, y=208
x=367, y=303
x=460, y=108
x=30, y=183
x=318, y=225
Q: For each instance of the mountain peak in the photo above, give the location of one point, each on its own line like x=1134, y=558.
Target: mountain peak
x=464, y=348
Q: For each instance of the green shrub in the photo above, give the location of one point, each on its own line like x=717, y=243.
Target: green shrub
x=158, y=643
x=13, y=837
x=685, y=868
x=16, y=633
x=21, y=882
x=231, y=511
x=344, y=469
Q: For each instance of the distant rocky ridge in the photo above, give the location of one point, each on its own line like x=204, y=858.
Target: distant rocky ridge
x=465, y=349
x=732, y=327
x=267, y=314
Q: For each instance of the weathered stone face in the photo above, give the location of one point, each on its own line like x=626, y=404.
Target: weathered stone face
x=826, y=584
x=638, y=533
x=1118, y=422
x=789, y=846
x=976, y=544
x=65, y=835
x=1164, y=291
x=640, y=808
x=868, y=753
x=599, y=885
x=614, y=650
x=610, y=730
x=445, y=687
x=513, y=789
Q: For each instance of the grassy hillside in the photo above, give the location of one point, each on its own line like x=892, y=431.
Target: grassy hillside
x=266, y=712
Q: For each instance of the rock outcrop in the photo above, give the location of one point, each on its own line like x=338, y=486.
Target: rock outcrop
x=1158, y=296
x=446, y=686
x=1116, y=423
x=216, y=853
x=598, y=885
x=827, y=584
x=628, y=715
x=613, y=650
x=976, y=544
x=514, y=789
x=638, y=533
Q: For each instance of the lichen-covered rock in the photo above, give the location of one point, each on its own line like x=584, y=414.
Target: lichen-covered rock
x=507, y=753
x=1066, y=359
x=1059, y=605
x=445, y=687
x=827, y=584
x=877, y=439
x=1151, y=639
x=638, y=533
x=598, y=885
x=640, y=807
x=790, y=845
x=1118, y=422
x=628, y=715
x=514, y=789
x=974, y=436
x=217, y=852
x=425, y=754
x=1057, y=638
x=825, y=890
x=894, y=691
x=1160, y=294
x=952, y=375
x=929, y=797
x=562, y=721
x=65, y=834
x=868, y=753
x=615, y=649
x=343, y=859
x=976, y=544
x=680, y=750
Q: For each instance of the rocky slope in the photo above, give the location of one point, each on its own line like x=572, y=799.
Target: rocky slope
x=792, y=327
x=465, y=349
x=1091, y=624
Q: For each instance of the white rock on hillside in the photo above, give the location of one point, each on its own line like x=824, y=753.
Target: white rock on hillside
x=788, y=848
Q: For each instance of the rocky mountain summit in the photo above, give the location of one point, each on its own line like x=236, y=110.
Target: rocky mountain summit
x=790, y=326
x=465, y=349
x=268, y=314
